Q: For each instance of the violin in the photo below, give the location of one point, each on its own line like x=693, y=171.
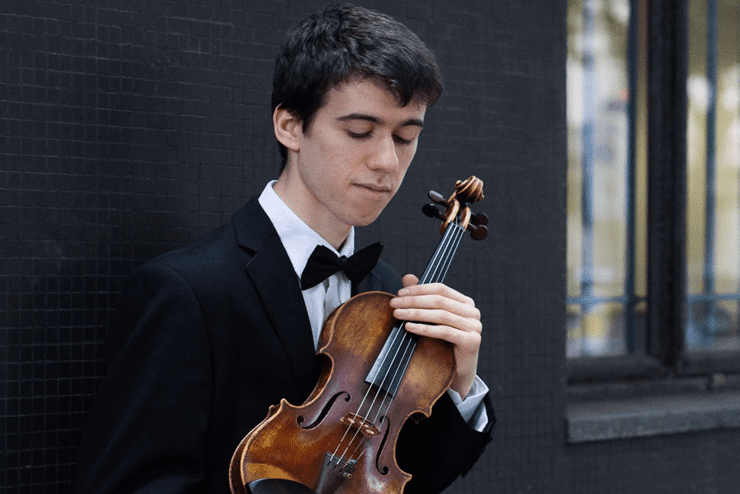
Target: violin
x=374, y=377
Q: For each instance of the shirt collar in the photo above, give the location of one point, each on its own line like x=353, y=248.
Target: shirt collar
x=297, y=237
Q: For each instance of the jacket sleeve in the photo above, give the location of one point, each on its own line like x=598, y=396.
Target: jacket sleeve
x=147, y=429
x=438, y=449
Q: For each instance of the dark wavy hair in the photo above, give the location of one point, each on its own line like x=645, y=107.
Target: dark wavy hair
x=345, y=41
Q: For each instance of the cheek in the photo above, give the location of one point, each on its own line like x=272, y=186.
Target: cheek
x=408, y=154
x=405, y=164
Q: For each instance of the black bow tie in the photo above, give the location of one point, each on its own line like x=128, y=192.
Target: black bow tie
x=324, y=263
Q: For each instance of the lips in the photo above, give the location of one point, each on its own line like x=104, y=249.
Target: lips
x=380, y=189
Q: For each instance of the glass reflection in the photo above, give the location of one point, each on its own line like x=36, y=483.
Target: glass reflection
x=713, y=140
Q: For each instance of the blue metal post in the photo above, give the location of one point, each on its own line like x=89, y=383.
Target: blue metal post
x=589, y=124
x=710, y=320
x=711, y=145
x=632, y=71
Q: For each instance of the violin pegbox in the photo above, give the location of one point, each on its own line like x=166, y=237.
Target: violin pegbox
x=456, y=209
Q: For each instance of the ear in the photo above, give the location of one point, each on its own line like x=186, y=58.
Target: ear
x=288, y=129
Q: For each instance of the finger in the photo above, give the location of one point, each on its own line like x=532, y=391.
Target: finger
x=410, y=280
x=439, y=317
x=437, y=310
x=447, y=300
x=466, y=346
x=434, y=289
x=465, y=342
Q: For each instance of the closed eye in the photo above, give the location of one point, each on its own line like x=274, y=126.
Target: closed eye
x=359, y=135
x=401, y=140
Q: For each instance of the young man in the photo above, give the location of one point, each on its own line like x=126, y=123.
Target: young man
x=207, y=337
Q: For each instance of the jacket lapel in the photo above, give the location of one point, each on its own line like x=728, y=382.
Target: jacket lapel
x=276, y=283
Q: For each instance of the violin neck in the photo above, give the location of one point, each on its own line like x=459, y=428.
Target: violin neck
x=439, y=264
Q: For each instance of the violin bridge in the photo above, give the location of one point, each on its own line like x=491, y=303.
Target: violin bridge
x=365, y=427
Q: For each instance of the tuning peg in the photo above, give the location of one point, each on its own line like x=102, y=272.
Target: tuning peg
x=479, y=232
x=479, y=219
x=437, y=197
x=431, y=210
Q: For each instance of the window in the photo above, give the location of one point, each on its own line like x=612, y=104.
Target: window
x=658, y=296
x=606, y=177
x=713, y=142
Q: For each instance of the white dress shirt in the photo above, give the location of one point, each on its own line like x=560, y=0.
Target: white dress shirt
x=299, y=241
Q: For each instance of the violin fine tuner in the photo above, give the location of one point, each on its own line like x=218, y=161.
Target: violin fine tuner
x=456, y=208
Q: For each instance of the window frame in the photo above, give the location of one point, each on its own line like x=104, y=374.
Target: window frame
x=667, y=24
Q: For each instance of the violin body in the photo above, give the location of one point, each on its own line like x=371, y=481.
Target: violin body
x=343, y=416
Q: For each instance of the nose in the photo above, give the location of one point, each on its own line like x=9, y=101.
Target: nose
x=384, y=156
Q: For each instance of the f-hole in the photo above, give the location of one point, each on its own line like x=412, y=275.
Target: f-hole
x=383, y=470
x=324, y=412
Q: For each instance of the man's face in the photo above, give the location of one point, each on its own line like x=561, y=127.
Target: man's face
x=351, y=160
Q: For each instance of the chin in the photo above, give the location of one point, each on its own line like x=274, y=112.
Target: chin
x=365, y=220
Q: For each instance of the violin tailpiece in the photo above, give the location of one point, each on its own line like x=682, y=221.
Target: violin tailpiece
x=334, y=471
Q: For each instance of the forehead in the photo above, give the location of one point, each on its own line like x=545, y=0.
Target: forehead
x=367, y=97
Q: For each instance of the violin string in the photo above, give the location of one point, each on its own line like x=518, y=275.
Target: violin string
x=409, y=346
x=401, y=332
x=439, y=263
x=405, y=343
x=435, y=272
x=459, y=232
x=435, y=263
x=431, y=275
x=406, y=339
x=364, y=399
x=440, y=270
x=438, y=267
x=400, y=366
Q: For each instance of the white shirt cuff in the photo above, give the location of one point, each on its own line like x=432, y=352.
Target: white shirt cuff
x=472, y=408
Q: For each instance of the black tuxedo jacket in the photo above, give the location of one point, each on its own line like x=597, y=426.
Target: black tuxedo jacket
x=204, y=340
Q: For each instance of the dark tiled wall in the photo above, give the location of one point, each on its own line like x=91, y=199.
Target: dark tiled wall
x=128, y=128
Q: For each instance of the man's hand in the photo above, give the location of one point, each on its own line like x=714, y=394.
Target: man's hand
x=440, y=312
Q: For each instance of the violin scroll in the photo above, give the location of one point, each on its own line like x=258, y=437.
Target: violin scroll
x=470, y=190
x=457, y=210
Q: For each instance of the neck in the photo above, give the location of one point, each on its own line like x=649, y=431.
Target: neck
x=326, y=224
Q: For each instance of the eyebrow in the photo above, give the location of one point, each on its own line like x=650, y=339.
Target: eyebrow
x=369, y=118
